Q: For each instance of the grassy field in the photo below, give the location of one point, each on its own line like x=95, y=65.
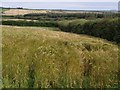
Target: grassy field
x=21, y=11
x=42, y=58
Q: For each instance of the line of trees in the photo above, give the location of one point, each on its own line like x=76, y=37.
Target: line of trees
x=106, y=28
x=63, y=16
x=30, y=23
x=72, y=15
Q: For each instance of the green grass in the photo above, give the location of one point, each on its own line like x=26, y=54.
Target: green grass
x=42, y=58
x=75, y=21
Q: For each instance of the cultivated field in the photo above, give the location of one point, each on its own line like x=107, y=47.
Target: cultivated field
x=22, y=12
x=43, y=58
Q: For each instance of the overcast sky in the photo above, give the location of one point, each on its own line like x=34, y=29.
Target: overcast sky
x=60, y=0
x=63, y=4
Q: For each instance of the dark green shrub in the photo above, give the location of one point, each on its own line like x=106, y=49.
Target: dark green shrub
x=30, y=23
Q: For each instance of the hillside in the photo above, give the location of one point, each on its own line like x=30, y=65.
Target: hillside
x=43, y=58
x=99, y=24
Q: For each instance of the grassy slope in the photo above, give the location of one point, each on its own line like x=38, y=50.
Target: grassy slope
x=37, y=57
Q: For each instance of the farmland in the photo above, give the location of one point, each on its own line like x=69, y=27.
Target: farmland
x=99, y=24
x=59, y=49
x=39, y=57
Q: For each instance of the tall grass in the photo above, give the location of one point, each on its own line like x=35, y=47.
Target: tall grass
x=33, y=57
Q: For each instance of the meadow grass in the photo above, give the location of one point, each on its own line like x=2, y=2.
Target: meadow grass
x=42, y=58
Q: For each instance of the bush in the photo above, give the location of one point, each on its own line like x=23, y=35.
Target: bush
x=104, y=28
x=30, y=23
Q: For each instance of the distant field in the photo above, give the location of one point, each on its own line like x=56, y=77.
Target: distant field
x=22, y=11
x=29, y=11
x=4, y=9
x=42, y=58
